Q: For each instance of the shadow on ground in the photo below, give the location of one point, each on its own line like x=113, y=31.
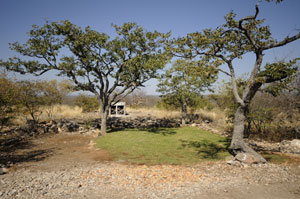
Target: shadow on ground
x=15, y=150
x=14, y=144
x=207, y=149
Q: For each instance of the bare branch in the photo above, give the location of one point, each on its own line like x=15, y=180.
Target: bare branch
x=246, y=32
x=282, y=43
x=226, y=73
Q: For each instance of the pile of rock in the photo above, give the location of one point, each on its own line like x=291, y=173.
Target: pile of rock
x=286, y=146
x=142, y=122
x=292, y=146
x=89, y=127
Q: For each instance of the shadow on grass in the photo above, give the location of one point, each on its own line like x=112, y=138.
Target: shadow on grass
x=206, y=148
x=160, y=131
x=115, y=130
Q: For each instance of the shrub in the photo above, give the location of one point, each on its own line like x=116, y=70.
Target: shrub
x=9, y=95
x=87, y=103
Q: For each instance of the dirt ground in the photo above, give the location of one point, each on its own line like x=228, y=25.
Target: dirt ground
x=63, y=152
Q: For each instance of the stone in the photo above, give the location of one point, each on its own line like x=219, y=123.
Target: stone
x=247, y=158
x=3, y=171
x=233, y=163
x=292, y=146
x=229, y=158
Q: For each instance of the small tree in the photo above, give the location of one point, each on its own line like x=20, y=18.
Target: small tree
x=183, y=82
x=9, y=99
x=31, y=98
x=108, y=68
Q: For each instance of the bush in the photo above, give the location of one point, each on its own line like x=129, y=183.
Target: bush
x=194, y=103
x=87, y=103
x=9, y=95
x=271, y=118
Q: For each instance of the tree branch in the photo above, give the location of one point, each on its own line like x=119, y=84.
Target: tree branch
x=246, y=32
x=226, y=73
x=234, y=85
x=281, y=43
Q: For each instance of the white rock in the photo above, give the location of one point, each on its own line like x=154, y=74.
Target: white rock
x=3, y=170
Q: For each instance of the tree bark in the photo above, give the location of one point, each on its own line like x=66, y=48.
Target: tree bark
x=103, y=130
x=237, y=143
x=104, y=108
x=183, y=113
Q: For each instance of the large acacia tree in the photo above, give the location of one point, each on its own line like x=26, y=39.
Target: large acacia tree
x=108, y=68
x=230, y=42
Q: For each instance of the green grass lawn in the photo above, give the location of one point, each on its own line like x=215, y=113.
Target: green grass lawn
x=184, y=146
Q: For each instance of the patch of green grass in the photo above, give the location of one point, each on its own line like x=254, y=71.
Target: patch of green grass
x=186, y=145
x=278, y=158
x=274, y=158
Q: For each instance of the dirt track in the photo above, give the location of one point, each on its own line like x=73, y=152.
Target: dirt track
x=68, y=166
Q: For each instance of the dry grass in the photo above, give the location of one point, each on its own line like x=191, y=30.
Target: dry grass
x=67, y=112
x=58, y=112
x=216, y=116
x=152, y=112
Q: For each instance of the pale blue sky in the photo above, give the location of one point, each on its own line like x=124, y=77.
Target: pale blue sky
x=178, y=16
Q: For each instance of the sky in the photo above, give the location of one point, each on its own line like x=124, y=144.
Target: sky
x=178, y=16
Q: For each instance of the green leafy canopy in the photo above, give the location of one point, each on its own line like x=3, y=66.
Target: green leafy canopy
x=91, y=59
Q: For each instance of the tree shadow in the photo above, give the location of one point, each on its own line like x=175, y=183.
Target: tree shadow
x=13, y=144
x=29, y=156
x=207, y=149
x=160, y=131
x=16, y=150
x=111, y=130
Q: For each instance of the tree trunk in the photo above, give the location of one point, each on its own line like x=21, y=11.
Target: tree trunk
x=237, y=143
x=183, y=113
x=104, y=115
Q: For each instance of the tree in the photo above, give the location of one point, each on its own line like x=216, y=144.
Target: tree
x=31, y=98
x=183, y=82
x=108, y=68
x=231, y=41
x=9, y=94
